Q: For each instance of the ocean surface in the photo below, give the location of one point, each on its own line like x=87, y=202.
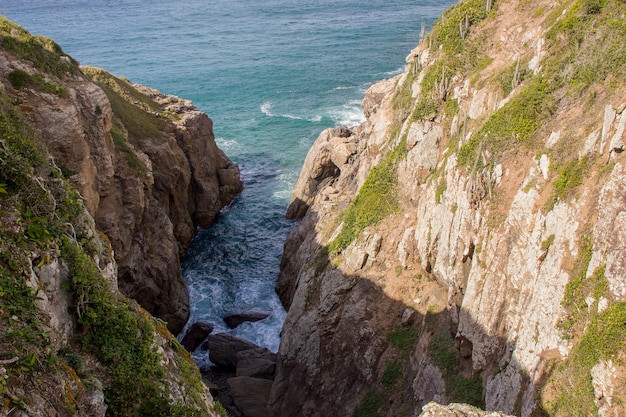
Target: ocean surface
x=272, y=74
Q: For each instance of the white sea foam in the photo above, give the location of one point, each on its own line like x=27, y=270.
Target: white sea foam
x=266, y=108
x=394, y=72
x=345, y=87
x=230, y=146
x=349, y=114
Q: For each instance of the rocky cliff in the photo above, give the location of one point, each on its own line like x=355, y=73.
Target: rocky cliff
x=102, y=185
x=466, y=243
x=146, y=165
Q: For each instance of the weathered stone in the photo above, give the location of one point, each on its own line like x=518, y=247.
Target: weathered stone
x=609, y=383
x=457, y=410
x=235, y=320
x=464, y=345
x=223, y=349
x=481, y=243
x=408, y=317
x=250, y=395
x=150, y=213
x=256, y=363
x=195, y=335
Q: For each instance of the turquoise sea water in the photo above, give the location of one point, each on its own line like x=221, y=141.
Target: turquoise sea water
x=272, y=75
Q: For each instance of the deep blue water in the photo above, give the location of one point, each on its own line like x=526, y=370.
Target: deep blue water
x=272, y=74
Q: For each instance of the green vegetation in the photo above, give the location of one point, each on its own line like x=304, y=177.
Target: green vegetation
x=512, y=76
x=587, y=27
x=603, y=339
x=570, y=176
x=447, y=32
x=35, y=204
x=458, y=387
x=219, y=408
x=40, y=221
x=596, y=336
x=132, y=160
x=392, y=372
x=140, y=115
x=370, y=405
x=459, y=54
x=402, y=338
x=403, y=99
x=579, y=287
x=545, y=245
x=441, y=188
x=512, y=125
x=375, y=201
x=20, y=79
x=44, y=53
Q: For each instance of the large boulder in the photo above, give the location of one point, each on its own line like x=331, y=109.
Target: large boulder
x=250, y=395
x=235, y=320
x=256, y=363
x=195, y=335
x=224, y=349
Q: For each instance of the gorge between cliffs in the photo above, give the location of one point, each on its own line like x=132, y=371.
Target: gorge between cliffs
x=456, y=246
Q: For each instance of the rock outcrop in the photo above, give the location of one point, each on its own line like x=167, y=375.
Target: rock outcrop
x=77, y=159
x=456, y=410
x=243, y=373
x=491, y=265
x=146, y=165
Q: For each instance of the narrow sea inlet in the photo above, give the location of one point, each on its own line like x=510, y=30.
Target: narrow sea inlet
x=272, y=75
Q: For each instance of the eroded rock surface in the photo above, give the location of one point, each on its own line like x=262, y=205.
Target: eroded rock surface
x=148, y=178
x=483, y=249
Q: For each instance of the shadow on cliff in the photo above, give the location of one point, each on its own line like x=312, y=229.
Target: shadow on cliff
x=366, y=337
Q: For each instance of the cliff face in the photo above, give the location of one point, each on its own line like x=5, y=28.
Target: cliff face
x=146, y=165
x=465, y=243
x=102, y=184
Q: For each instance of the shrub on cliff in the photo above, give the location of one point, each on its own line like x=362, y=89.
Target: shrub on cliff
x=42, y=221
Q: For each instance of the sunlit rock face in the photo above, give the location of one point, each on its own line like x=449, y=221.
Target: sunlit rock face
x=148, y=185
x=494, y=245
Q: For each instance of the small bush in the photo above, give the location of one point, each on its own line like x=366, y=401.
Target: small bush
x=570, y=176
x=441, y=351
x=132, y=160
x=402, y=339
x=20, y=79
x=370, y=404
x=393, y=371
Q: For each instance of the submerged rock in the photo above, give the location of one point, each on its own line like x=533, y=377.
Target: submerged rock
x=195, y=335
x=235, y=320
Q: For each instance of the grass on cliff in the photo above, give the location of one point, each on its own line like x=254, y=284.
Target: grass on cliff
x=460, y=52
x=44, y=53
x=458, y=388
x=376, y=200
x=513, y=125
x=19, y=79
x=578, y=30
x=39, y=222
x=140, y=115
x=595, y=335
